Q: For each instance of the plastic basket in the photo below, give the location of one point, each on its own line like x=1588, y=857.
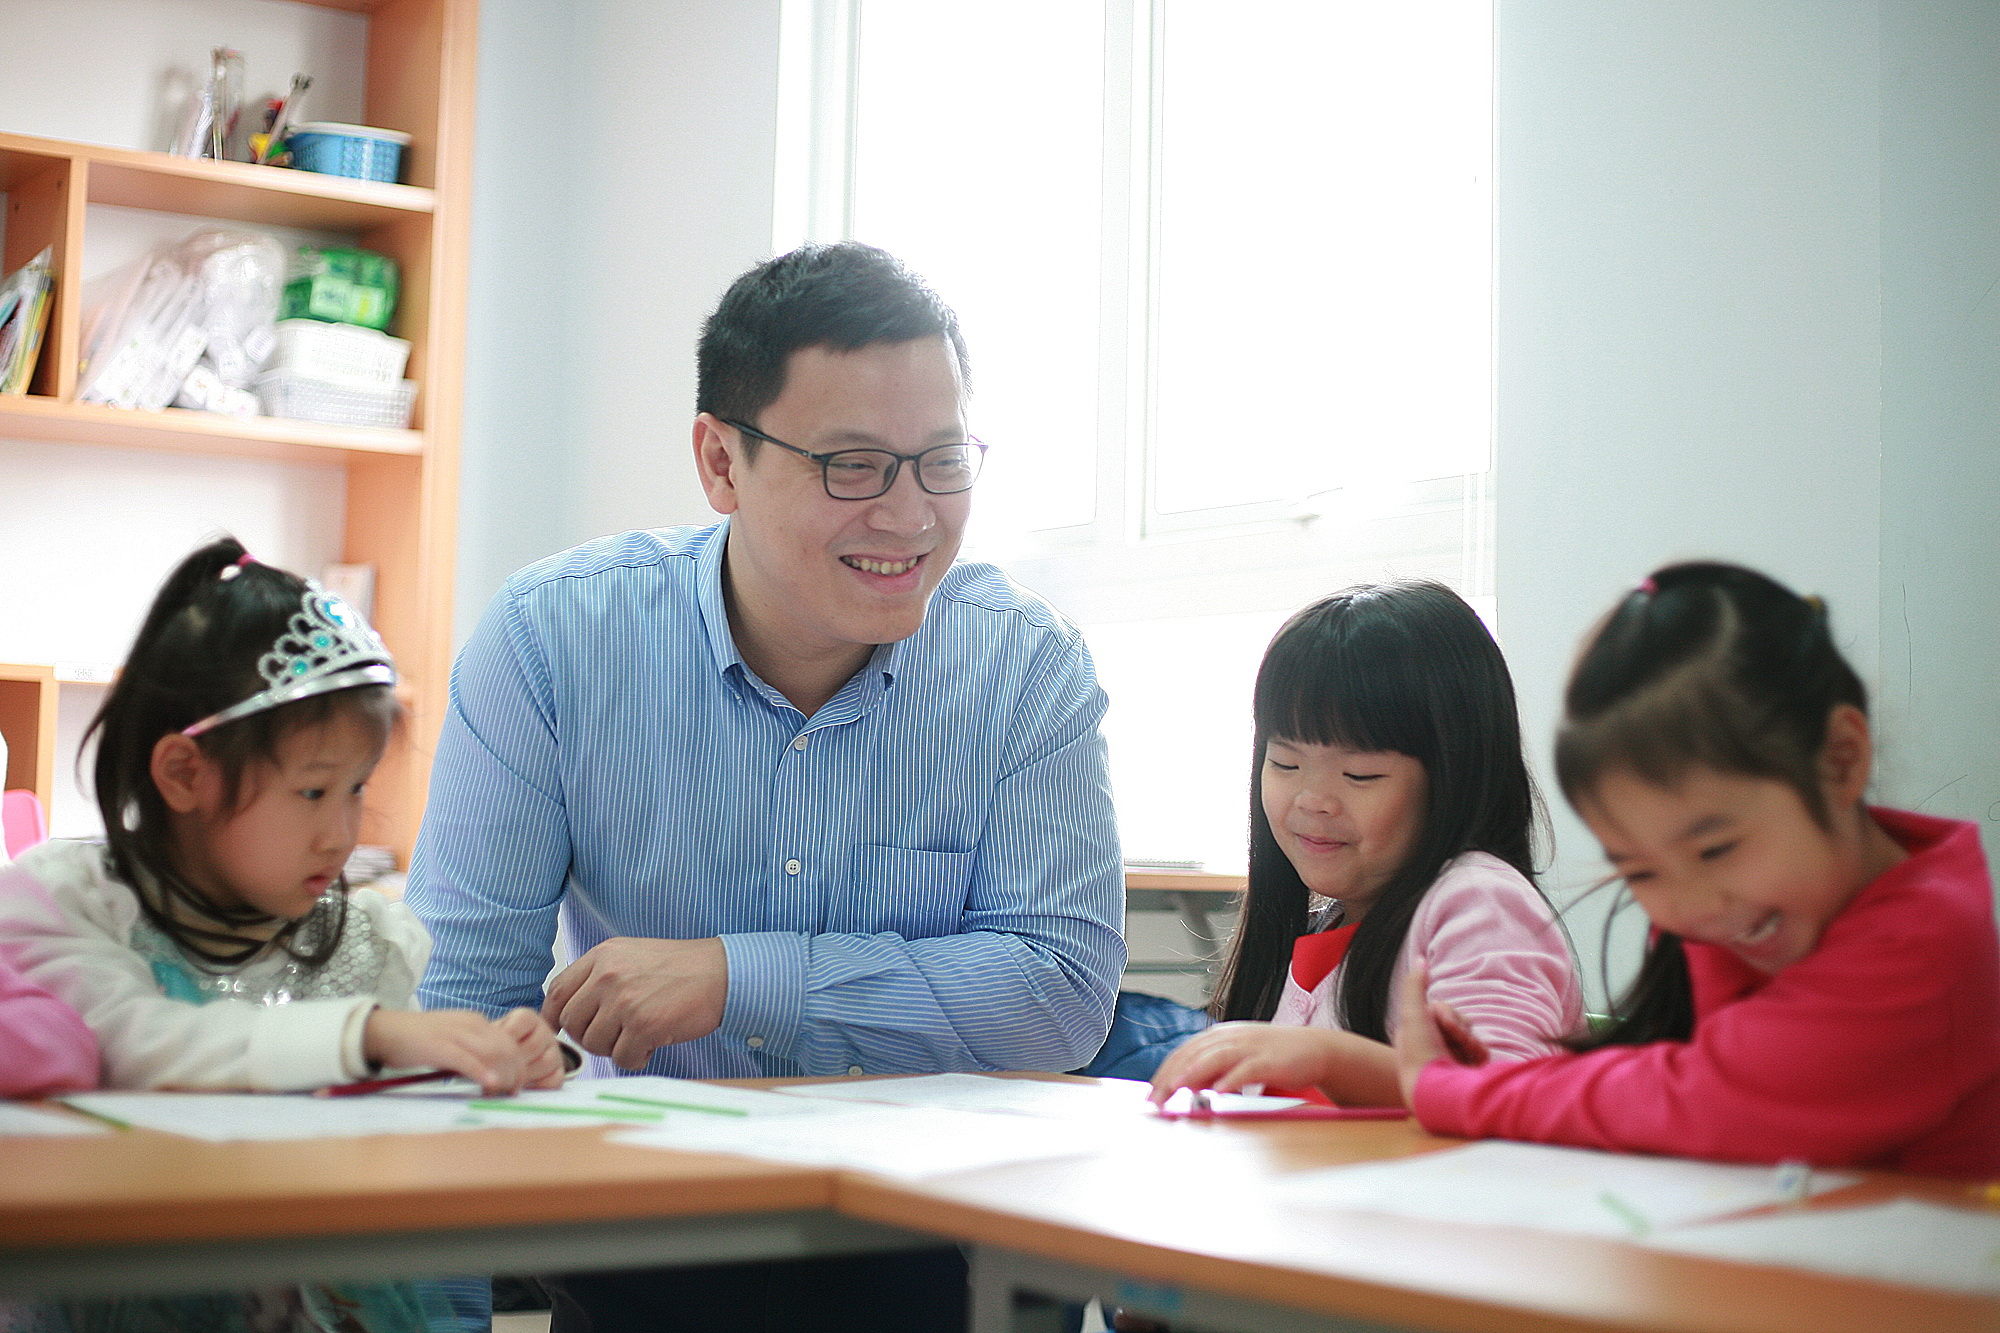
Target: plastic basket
x=286, y=393
x=360, y=151
x=338, y=352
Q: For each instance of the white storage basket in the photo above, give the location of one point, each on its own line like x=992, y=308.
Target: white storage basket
x=286, y=393
x=322, y=351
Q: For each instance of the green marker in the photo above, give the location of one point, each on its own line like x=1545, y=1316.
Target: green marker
x=112, y=1121
x=1625, y=1212
x=669, y=1106
x=594, y=1113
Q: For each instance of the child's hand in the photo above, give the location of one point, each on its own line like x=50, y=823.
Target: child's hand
x=1352, y=1070
x=1427, y=1032
x=501, y=1055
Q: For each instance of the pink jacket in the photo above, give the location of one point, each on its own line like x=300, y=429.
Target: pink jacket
x=44, y=1046
x=1879, y=1048
x=1495, y=953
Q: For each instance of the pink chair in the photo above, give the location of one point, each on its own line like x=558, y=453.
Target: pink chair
x=23, y=822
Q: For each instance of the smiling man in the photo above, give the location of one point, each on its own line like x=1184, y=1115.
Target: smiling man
x=809, y=797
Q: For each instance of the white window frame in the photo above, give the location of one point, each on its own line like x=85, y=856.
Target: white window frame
x=1130, y=561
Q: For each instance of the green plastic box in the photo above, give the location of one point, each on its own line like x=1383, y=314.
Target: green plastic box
x=341, y=286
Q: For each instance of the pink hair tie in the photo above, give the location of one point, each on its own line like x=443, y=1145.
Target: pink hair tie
x=1647, y=586
x=231, y=571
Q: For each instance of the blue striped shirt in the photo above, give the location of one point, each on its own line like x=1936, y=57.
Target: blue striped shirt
x=921, y=876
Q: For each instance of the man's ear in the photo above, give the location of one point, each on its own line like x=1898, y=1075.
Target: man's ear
x=181, y=772
x=715, y=463
x=1846, y=757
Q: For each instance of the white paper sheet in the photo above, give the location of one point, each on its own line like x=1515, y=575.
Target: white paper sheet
x=1553, y=1189
x=429, y=1108
x=907, y=1141
x=229, y=1116
x=28, y=1120
x=647, y=1099
x=1115, y=1098
x=1109, y=1099
x=1906, y=1241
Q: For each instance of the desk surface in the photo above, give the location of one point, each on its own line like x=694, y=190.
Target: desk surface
x=138, y=1186
x=1190, y=1205
x=1196, y=1211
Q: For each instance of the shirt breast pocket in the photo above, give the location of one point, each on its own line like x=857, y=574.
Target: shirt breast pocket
x=918, y=895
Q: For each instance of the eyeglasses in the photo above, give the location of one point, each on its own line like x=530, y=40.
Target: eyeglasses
x=864, y=474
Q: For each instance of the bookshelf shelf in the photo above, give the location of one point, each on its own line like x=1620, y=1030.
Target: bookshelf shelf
x=402, y=485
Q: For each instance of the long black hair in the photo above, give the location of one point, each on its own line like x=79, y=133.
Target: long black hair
x=196, y=654
x=1702, y=666
x=1405, y=667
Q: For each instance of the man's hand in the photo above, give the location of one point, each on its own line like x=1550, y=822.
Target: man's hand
x=628, y=997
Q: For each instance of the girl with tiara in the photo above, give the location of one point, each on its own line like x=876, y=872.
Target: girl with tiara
x=210, y=941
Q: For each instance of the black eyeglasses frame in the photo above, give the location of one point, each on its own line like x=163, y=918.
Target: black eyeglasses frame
x=889, y=473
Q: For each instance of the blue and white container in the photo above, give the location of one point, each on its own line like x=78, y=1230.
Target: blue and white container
x=360, y=151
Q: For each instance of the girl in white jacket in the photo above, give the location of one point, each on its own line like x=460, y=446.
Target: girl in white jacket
x=210, y=941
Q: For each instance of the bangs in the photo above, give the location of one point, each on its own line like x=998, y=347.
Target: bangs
x=1346, y=681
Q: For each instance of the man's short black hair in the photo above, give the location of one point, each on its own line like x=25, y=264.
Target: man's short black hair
x=843, y=296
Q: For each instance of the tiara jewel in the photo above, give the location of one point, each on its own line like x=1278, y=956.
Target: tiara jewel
x=326, y=646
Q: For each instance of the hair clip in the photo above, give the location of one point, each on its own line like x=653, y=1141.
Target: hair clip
x=1647, y=586
x=231, y=571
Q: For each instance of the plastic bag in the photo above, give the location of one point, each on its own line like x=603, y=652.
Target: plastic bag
x=189, y=323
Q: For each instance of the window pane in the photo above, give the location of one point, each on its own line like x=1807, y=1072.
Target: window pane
x=1323, y=246
x=977, y=161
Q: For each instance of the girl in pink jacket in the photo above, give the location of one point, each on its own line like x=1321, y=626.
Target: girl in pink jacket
x=1390, y=816
x=1823, y=976
x=45, y=1048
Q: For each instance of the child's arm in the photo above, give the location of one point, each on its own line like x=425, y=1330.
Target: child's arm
x=1352, y=1070
x=1841, y=1060
x=45, y=1047
x=502, y=1055
x=1497, y=957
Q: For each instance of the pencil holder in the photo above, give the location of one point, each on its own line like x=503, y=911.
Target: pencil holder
x=359, y=151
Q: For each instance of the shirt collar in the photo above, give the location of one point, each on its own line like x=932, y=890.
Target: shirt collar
x=714, y=610
x=885, y=661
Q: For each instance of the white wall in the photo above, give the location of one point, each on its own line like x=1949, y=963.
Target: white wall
x=1739, y=317
x=1939, y=701
x=624, y=177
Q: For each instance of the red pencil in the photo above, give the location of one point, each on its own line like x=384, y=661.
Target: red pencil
x=377, y=1084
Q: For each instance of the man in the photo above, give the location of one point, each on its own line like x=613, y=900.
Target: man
x=809, y=798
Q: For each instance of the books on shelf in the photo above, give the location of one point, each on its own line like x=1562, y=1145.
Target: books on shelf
x=24, y=315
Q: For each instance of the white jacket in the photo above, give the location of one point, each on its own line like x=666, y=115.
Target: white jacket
x=70, y=928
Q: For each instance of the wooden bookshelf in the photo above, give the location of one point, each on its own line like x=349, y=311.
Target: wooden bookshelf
x=28, y=722
x=402, y=485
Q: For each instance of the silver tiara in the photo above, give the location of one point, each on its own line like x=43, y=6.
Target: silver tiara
x=327, y=646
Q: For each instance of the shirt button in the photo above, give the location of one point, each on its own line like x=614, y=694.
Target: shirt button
x=791, y=867
x=799, y=743
x=753, y=1042
x=854, y=1069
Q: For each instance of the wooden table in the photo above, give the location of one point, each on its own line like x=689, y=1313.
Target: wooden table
x=141, y=1211
x=1192, y=1232
x=1182, y=1222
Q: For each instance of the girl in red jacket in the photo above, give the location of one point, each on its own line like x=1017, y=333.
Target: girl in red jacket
x=1823, y=978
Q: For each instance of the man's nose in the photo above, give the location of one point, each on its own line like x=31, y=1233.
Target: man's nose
x=905, y=506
